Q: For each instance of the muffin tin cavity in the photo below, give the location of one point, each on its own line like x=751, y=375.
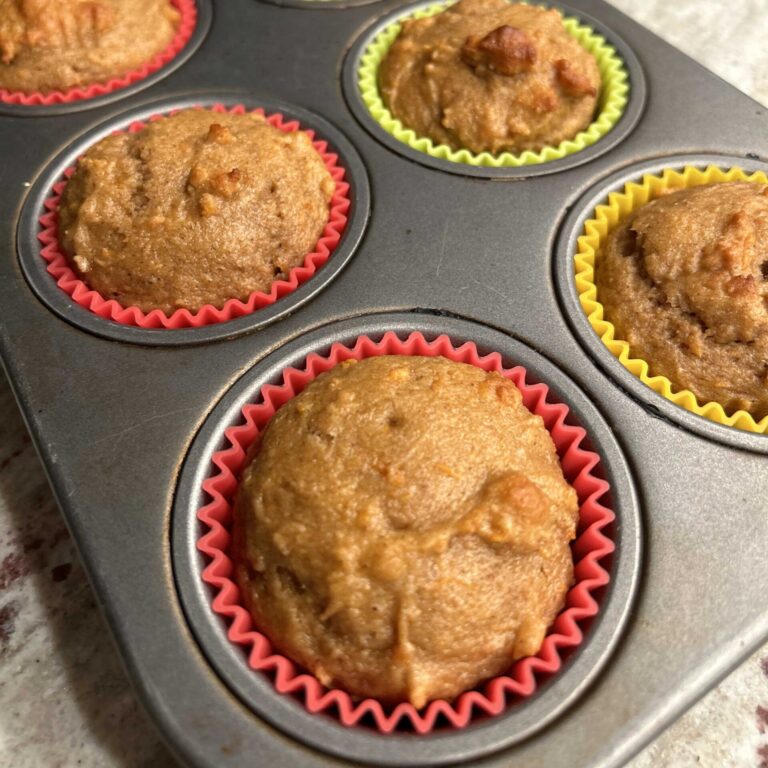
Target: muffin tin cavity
x=590, y=220
x=57, y=285
x=541, y=687
x=196, y=18
x=620, y=102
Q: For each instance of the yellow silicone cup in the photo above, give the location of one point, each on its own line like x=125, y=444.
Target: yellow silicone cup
x=614, y=94
x=606, y=218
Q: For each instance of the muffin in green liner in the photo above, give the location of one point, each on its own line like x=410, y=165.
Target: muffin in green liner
x=611, y=99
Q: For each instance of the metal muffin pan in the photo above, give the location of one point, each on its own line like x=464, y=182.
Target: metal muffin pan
x=202, y=26
x=117, y=423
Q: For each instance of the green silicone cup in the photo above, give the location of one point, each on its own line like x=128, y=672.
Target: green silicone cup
x=614, y=94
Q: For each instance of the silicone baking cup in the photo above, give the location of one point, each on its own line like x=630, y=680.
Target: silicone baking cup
x=614, y=94
x=109, y=309
x=188, y=11
x=591, y=547
x=606, y=218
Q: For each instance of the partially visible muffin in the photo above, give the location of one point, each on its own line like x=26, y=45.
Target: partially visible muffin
x=490, y=76
x=48, y=45
x=194, y=209
x=403, y=531
x=685, y=281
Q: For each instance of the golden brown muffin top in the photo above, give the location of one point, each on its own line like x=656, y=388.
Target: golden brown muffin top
x=194, y=209
x=404, y=529
x=685, y=281
x=489, y=75
x=50, y=45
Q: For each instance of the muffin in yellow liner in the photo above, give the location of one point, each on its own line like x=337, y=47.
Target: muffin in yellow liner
x=612, y=99
x=606, y=217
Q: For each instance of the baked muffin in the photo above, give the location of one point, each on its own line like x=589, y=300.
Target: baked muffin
x=490, y=76
x=403, y=531
x=194, y=209
x=48, y=45
x=685, y=281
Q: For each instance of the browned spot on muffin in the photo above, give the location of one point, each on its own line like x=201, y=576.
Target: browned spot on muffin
x=226, y=184
x=740, y=285
x=220, y=134
x=505, y=50
x=572, y=81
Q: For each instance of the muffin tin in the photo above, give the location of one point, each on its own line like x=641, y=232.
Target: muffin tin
x=125, y=419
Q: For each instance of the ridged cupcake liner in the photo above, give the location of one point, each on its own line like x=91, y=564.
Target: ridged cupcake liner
x=62, y=272
x=612, y=100
x=596, y=229
x=591, y=547
x=187, y=23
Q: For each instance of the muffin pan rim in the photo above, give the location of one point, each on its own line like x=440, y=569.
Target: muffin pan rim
x=312, y=5
x=203, y=25
x=630, y=117
x=568, y=298
x=34, y=267
x=290, y=716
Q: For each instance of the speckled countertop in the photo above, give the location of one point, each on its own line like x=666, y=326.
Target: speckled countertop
x=64, y=698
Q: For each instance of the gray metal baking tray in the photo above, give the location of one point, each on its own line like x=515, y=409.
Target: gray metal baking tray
x=124, y=421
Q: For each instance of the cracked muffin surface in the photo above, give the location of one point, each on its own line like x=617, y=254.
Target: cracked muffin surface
x=48, y=45
x=490, y=76
x=403, y=530
x=194, y=209
x=685, y=282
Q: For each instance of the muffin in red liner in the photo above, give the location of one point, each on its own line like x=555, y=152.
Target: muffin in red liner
x=110, y=309
x=591, y=547
x=187, y=23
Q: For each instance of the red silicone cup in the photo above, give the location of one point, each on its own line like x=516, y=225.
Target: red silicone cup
x=110, y=309
x=591, y=546
x=188, y=11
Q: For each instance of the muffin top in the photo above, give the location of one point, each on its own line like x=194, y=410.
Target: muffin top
x=194, y=209
x=685, y=281
x=490, y=76
x=48, y=45
x=403, y=531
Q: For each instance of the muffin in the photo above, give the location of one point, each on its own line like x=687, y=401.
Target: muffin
x=194, y=209
x=49, y=45
x=684, y=280
x=490, y=76
x=403, y=530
